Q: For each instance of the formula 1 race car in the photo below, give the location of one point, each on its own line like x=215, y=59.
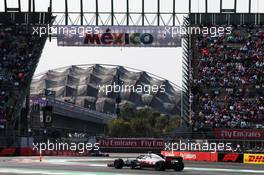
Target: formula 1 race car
x=158, y=162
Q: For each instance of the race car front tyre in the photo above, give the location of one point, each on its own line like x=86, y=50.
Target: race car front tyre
x=178, y=166
x=160, y=166
x=118, y=163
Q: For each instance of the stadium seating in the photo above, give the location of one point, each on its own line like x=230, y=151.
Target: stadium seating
x=19, y=55
x=228, y=79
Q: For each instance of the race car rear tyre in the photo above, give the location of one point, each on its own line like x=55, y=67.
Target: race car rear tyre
x=118, y=163
x=160, y=166
x=178, y=166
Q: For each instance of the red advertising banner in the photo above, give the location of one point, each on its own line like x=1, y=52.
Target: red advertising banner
x=194, y=156
x=247, y=134
x=134, y=143
x=6, y=152
x=230, y=157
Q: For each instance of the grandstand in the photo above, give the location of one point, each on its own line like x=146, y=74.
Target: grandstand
x=81, y=84
x=227, y=87
x=19, y=54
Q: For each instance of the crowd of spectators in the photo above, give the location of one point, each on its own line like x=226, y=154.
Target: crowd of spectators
x=18, y=58
x=228, y=79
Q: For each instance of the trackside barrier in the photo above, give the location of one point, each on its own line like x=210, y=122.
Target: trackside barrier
x=254, y=159
x=30, y=152
x=194, y=156
x=9, y=152
x=230, y=157
x=130, y=150
x=218, y=157
x=130, y=145
x=27, y=152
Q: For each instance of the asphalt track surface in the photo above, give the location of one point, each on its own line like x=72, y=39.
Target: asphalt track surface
x=97, y=166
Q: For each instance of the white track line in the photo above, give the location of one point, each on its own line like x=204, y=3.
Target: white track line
x=83, y=163
x=225, y=170
x=52, y=172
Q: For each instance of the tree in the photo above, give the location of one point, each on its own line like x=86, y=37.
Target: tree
x=161, y=123
x=174, y=122
x=119, y=128
x=141, y=123
x=127, y=112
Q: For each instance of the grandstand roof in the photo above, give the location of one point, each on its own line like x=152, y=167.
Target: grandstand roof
x=80, y=84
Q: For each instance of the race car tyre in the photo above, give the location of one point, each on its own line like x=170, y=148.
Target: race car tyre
x=178, y=166
x=160, y=166
x=118, y=163
x=133, y=165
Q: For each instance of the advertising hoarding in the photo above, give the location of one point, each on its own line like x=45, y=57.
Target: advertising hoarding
x=230, y=157
x=241, y=134
x=193, y=156
x=254, y=158
x=131, y=143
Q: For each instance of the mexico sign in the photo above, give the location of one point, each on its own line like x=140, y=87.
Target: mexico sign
x=117, y=36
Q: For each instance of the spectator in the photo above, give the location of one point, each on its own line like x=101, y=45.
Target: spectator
x=19, y=53
x=228, y=70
